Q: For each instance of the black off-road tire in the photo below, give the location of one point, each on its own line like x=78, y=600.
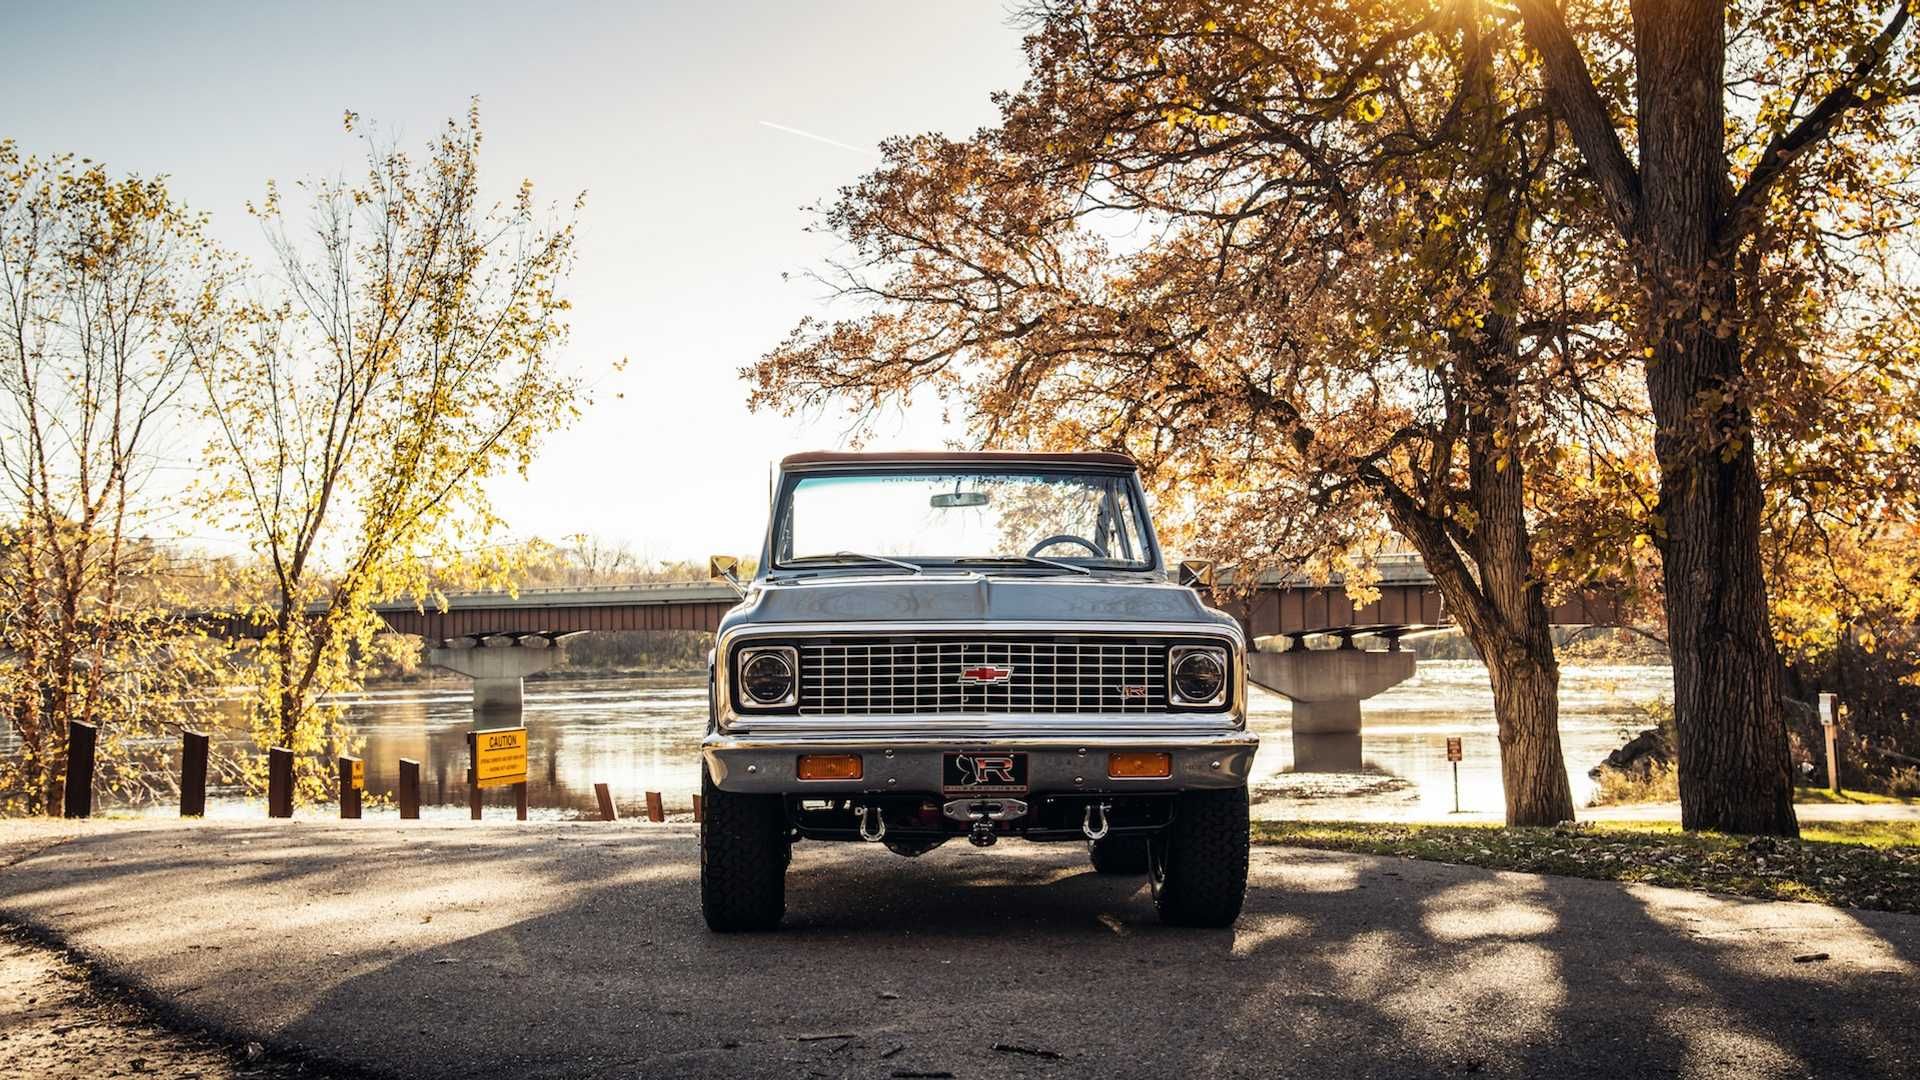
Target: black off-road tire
x=1199, y=871
x=744, y=851
x=1118, y=855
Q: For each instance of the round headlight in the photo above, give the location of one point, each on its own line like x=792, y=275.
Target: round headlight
x=767, y=677
x=1198, y=676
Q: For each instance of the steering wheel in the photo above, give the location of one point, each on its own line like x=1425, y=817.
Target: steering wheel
x=1067, y=538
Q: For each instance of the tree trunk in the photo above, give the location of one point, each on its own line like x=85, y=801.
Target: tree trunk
x=1501, y=611
x=1734, y=771
x=1526, y=704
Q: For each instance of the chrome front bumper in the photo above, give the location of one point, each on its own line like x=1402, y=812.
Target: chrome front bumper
x=905, y=762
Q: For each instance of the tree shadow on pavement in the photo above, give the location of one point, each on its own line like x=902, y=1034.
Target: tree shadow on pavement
x=580, y=952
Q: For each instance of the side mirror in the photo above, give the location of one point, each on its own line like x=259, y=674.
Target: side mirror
x=726, y=568
x=1196, y=573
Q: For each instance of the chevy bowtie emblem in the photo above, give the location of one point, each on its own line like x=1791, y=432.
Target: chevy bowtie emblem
x=986, y=673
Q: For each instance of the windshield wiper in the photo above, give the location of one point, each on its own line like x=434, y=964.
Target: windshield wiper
x=1031, y=560
x=843, y=555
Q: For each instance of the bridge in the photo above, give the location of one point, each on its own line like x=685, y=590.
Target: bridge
x=499, y=638
x=1291, y=607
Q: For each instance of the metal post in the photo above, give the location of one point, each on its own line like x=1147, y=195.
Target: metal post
x=699, y=811
x=349, y=794
x=193, y=774
x=605, y=797
x=473, y=777
x=82, y=738
x=409, y=794
x=655, y=811
x=1456, y=787
x=279, y=782
x=1830, y=722
x=520, y=801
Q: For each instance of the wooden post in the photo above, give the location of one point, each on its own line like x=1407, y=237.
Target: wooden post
x=279, y=782
x=82, y=738
x=193, y=774
x=605, y=795
x=409, y=790
x=520, y=801
x=655, y=811
x=698, y=810
x=473, y=777
x=349, y=795
x=1830, y=722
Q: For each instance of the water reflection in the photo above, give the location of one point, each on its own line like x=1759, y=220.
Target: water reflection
x=636, y=735
x=643, y=734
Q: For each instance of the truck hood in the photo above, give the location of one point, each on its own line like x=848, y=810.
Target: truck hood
x=974, y=598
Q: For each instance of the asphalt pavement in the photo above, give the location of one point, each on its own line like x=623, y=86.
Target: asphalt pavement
x=577, y=950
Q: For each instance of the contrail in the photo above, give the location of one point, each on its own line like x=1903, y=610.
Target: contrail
x=818, y=138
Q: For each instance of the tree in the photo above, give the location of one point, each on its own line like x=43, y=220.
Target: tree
x=1313, y=266
x=106, y=284
x=400, y=358
x=1760, y=128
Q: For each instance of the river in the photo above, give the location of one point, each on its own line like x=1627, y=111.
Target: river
x=642, y=734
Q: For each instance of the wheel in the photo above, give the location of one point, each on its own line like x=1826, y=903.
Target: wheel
x=1118, y=855
x=744, y=851
x=1199, y=863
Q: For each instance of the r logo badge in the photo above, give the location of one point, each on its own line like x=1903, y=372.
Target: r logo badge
x=990, y=768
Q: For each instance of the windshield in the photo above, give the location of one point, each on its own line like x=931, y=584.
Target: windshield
x=1087, y=520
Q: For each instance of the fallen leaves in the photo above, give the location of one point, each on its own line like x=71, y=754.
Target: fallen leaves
x=1885, y=878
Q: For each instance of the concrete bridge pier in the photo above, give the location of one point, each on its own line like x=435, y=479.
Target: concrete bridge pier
x=1326, y=687
x=498, y=665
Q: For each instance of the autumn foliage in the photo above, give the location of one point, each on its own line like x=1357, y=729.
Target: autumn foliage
x=1337, y=269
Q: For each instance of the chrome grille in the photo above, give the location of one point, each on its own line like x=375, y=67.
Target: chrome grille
x=840, y=676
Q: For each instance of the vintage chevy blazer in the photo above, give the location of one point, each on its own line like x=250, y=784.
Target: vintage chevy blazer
x=978, y=645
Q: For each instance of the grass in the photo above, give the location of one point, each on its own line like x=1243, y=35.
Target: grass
x=1849, y=864
x=1824, y=797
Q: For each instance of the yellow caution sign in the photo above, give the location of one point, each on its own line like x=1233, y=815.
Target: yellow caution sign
x=359, y=775
x=500, y=757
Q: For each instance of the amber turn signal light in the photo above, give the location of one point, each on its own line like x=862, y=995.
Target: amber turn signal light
x=828, y=767
x=1139, y=766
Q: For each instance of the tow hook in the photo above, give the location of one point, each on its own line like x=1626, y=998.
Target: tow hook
x=1095, y=823
x=872, y=825
x=982, y=834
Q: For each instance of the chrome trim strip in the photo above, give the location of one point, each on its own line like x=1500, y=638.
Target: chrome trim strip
x=946, y=726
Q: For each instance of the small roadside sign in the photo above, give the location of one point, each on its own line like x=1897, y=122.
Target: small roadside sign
x=1826, y=709
x=500, y=757
x=359, y=775
x=1453, y=755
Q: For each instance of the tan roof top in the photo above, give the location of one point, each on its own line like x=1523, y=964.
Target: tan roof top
x=954, y=457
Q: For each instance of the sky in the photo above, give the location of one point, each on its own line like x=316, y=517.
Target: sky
x=698, y=132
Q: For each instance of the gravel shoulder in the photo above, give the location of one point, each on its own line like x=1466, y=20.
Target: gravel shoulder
x=59, y=1022
x=568, y=950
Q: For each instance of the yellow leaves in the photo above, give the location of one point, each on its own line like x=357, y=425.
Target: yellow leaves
x=1366, y=109
x=375, y=448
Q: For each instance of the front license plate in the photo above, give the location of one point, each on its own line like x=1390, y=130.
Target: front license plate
x=983, y=772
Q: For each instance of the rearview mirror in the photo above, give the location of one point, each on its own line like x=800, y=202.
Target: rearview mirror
x=947, y=500
x=726, y=568
x=1196, y=573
